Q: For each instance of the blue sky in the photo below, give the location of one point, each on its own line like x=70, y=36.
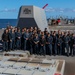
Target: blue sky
x=10, y=8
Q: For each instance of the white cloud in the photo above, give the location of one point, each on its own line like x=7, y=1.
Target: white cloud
x=50, y=9
x=9, y=10
x=62, y=10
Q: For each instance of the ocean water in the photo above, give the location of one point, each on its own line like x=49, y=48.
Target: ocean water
x=5, y=22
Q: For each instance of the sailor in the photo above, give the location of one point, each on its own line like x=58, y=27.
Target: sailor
x=55, y=44
x=59, y=45
x=42, y=34
x=26, y=39
x=36, y=44
x=58, y=34
x=5, y=37
x=51, y=33
x=74, y=44
x=30, y=32
x=31, y=44
x=9, y=32
x=45, y=31
x=15, y=36
x=49, y=41
x=18, y=39
x=12, y=39
x=39, y=34
x=71, y=44
x=46, y=35
x=66, y=40
x=43, y=43
x=70, y=40
x=22, y=39
x=63, y=43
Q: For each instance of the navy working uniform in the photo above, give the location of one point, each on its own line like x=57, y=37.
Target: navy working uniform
x=18, y=40
x=26, y=39
x=42, y=47
x=71, y=44
x=63, y=45
x=59, y=45
x=22, y=40
x=66, y=40
x=5, y=39
x=49, y=41
x=36, y=45
x=55, y=44
x=31, y=44
x=12, y=40
x=74, y=45
x=9, y=42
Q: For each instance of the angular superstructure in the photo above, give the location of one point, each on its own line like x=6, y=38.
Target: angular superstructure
x=32, y=16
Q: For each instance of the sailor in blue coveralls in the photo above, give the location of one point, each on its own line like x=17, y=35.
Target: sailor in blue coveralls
x=49, y=41
x=22, y=39
x=9, y=43
x=15, y=36
x=36, y=44
x=66, y=40
x=42, y=47
x=59, y=45
x=55, y=44
x=71, y=44
x=26, y=38
x=63, y=43
x=5, y=40
x=12, y=39
x=18, y=39
x=74, y=44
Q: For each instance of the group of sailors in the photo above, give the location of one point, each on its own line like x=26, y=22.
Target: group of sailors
x=39, y=42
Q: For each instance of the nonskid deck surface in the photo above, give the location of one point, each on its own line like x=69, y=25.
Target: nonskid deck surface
x=12, y=65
